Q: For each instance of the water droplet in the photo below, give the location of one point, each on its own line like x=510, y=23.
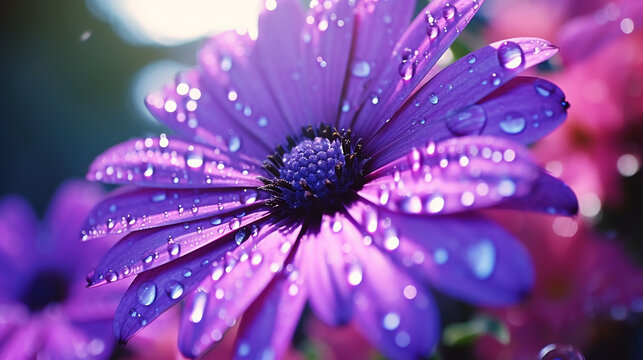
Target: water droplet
x=407, y=69
x=262, y=121
x=241, y=236
x=470, y=121
x=449, y=12
x=374, y=99
x=234, y=224
x=432, y=31
x=174, y=289
x=513, y=123
x=433, y=98
x=471, y=59
x=510, y=55
x=481, y=257
x=542, y=88
x=407, y=54
x=560, y=352
x=234, y=144
x=249, y=197
x=173, y=249
x=429, y=18
x=148, y=259
x=361, y=69
x=215, y=221
x=146, y=293
x=391, y=321
x=158, y=197
x=111, y=276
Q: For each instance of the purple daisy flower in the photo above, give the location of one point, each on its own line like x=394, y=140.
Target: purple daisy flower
x=318, y=164
x=45, y=310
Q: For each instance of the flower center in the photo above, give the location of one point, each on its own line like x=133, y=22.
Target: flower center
x=318, y=172
x=46, y=287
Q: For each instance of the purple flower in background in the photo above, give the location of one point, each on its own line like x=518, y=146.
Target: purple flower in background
x=317, y=164
x=45, y=310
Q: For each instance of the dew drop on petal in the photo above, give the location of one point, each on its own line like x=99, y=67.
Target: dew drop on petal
x=432, y=31
x=510, y=55
x=174, y=289
x=173, y=249
x=146, y=293
x=198, y=307
x=449, y=12
x=513, y=123
x=234, y=144
x=560, y=352
x=361, y=69
x=433, y=98
x=194, y=160
x=470, y=121
x=407, y=69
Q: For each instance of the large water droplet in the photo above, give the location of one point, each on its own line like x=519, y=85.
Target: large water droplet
x=470, y=121
x=432, y=31
x=510, y=55
x=174, y=289
x=146, y=293
x=407, y=69
x=173, y=249
x=241, y=236
x=513, y=123
x=433, y=98
x=198, y=307
x=449, y=12
x=361, y=69
x=560, y=352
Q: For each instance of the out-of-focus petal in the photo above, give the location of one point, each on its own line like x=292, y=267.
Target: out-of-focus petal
x=222, y=297
x=24, y=343
x=18, y=234
x=549, y=195
x=380, y=23
x=392, y=310
x=455, y=175
x=148, y=249
x=465, y=256
x=140, y=209
x=428, y=36
x=583, y=36
x=269, y=323
x=156, y=290
x=455, y=89
x=173, y=163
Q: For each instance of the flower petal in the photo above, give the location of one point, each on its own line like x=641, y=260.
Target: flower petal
x=173, y=163
x=428, y=36
x=455, y=175
x=280, y=28
x=18, y=234
x=156, y=290
x=331, y=272
x=381, y=23
x=392, y=310
x=139, y=209
x=207, y=110
x=549, y=195
x=224, y=296
x=148, y=249
x=462, y=84
x=269, y=323
x=465, y=256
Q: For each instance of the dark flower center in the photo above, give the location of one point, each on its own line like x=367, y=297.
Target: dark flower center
x=46, y=287
x=318, y=172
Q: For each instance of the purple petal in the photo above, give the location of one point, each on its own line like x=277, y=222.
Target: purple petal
x=549, y=195
x=428, y=36
x=173, y=163
x=456, y=88
x=326, y=37
x=393, y=311
x=332, y=272
x=233, y=286
x=269, y=323
x=465, y=256
x=283, y=69
x=148, y=249
x=140, y=209
x=156, y=290
x=381, y=23
x=455, y=175
x=18, y=234
x=208, y=110
x=24, y=343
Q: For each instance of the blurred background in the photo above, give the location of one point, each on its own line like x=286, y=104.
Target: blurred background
x=76, y=73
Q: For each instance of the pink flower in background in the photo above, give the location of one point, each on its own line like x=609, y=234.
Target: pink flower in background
x=45, y=310
x=581, y=280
